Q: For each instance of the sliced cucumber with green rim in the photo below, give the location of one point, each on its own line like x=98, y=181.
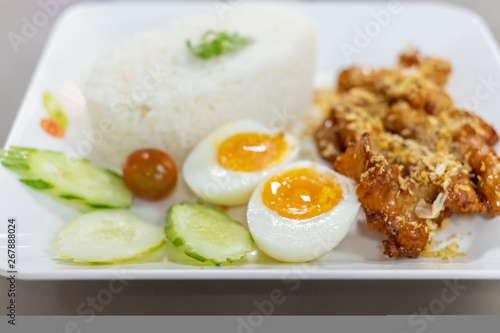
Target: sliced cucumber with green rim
x=75, y=182
x=109, y=236
x=205, y=233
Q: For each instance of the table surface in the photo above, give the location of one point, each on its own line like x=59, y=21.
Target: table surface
x=221, y=297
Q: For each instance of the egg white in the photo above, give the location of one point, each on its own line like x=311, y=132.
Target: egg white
x=215, y=184
x=291, y=240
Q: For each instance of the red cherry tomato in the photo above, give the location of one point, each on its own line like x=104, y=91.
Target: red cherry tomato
x=150, y=174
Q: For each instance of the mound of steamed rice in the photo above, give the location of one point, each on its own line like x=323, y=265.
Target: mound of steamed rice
x=158, y=95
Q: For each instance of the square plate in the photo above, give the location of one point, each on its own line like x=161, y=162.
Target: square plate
x=86, y=31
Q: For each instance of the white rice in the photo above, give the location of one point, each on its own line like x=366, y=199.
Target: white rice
x=158, y=95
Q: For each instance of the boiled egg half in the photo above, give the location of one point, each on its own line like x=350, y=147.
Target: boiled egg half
x=227, y=165
x=302, y=211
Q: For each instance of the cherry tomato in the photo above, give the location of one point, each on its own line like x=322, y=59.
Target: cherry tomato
x=150, y=174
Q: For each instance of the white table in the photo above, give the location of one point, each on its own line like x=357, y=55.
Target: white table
x=219, y=297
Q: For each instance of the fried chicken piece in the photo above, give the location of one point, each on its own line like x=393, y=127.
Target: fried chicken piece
x=327, y=139
x=437, y=132
x=394, y=86
x=417, y=158
x=368, y=79
x=404, y=207
x=419, y=93
x=357, y=112
x=326, y=136
x=434, y=69
x=486, y=164
x=462, y=196
x=401, y=200
x=450, y=178
x=401, y=203
x=353, y=163
x=429, y=174
x=390, y=210
x=444, y=134
x=353, y=117
x=348, y=123
x=411, y=123
x=465, y=124
x=410, y=58
x=325, y=99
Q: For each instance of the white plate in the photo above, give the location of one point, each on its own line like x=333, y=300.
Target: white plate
x=86, y=31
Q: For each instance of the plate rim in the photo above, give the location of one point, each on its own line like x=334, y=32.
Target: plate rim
x=240, y=274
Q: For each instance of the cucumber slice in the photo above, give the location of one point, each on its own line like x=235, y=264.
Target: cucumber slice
x=75, y=182
x=205, y=233
x=109, y=236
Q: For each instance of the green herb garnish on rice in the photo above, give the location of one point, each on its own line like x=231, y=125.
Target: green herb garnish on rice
x=214, y=44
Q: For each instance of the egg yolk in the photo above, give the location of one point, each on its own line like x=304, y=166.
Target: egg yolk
x=248, y=152
x=301, y=194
